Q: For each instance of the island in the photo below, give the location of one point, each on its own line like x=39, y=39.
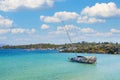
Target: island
x=80, y=47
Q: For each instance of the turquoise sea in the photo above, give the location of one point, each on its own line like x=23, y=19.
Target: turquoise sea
x=17, y=64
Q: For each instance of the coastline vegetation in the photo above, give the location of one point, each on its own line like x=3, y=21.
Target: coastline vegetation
x=80, y=47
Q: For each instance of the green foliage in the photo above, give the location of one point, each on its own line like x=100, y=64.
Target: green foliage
x=104, y=47
x=83, y=47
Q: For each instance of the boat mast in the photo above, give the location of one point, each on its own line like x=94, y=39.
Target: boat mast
x=68, y=35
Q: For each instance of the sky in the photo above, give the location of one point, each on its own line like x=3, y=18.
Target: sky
x=45, y=21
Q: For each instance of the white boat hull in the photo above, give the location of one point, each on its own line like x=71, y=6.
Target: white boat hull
x=82, y=59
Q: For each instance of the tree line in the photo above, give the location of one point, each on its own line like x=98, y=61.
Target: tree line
x=93, y=47
x=80, y=47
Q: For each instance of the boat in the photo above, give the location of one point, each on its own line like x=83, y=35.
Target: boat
x=79, y=59
x=84, y=59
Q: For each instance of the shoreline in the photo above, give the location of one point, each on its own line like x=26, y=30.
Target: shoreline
x=80, y=47
x=59, y=51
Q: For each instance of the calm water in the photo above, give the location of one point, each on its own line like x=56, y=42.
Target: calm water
x=51, y=65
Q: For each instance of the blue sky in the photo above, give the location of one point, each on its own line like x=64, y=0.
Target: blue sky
x=40, y=21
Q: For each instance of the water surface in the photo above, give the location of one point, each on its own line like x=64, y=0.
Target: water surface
x=52, y=65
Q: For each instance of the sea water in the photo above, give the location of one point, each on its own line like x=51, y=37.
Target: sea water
x=17, y=64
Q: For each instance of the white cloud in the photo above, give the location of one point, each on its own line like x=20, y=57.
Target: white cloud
x=44, y=26
x=49, y=19
x=72, y=30
x=32, y=30
x=103, y=34
x=76, y=33
x=4, y=22
x=3, y=31
x=86, y=19
x=68, y=27
x=21, y=30
x=102, y=10
x=93, y=14
x=6, y=27
x=77, y=29
x=62, y=30
x=71, y=27
x=111, y=33
x=17, y=31
x=115, y=30
x=87, y=30
x=65, y=15
x=8, y=5
x=60, y=16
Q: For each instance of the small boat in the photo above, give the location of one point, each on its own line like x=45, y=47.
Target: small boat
x=83, y=59
x=78, y=59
